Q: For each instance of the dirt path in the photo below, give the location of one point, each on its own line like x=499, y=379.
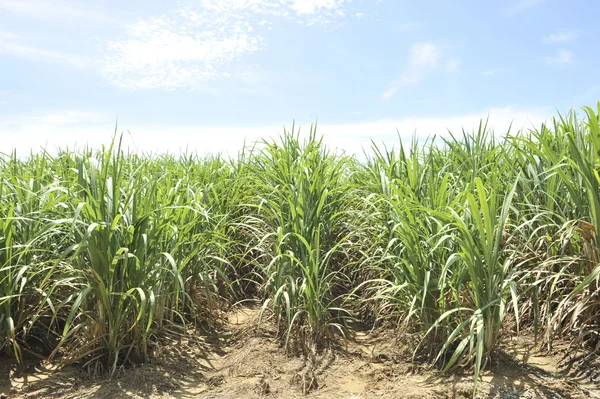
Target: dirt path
x=253, y=365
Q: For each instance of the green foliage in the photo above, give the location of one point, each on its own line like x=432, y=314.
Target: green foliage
x=454, y=241
x=302, y=205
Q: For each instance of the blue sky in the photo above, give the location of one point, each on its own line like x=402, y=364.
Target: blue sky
x=209, y=73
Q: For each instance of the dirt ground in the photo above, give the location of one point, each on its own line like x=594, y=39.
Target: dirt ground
x=251, y=364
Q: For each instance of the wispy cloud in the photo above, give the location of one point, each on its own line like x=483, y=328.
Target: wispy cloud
x=407, y=26
x=43, y=9
x=60, y=129
x=495, y=71
x=423, y=58
x=69, y=117
x=308, y=7
x=524, y=5
x=561, y=37
x=562, y=58
x=201, y=41
x=179, y=50
x=53, y=118
x=54, y=129
x=11, y=44
x=453, y=65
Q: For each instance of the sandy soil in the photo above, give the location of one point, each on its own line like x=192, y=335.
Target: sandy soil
x=251, y=364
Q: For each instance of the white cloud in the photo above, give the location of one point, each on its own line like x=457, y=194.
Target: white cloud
x=355, y=137
x=407, y=26
x=69, y=117
x=422, y=59
x=10, y=45
x=495, y=71
x=175, y=51
x=200, y=42
x=44, y=9
x=74, y=128
x=561, y=37
x=453, y=65
x=524, y=5
x=303, y=7
x=562, y=58
x=53, y=130
x=60, y=118
x=38, y=8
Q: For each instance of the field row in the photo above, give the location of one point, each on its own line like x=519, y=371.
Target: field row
x=453, y=241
